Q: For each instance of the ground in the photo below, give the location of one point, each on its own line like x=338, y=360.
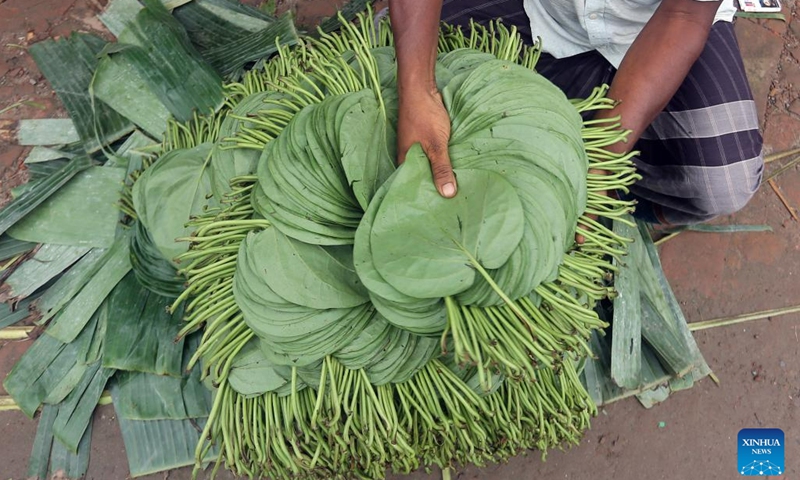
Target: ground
x=691, y=435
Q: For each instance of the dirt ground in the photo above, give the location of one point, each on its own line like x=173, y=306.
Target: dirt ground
x=690, y=436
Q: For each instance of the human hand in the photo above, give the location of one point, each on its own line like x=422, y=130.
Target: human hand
x=423, y=119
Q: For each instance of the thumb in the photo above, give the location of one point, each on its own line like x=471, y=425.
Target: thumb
x=443, y=176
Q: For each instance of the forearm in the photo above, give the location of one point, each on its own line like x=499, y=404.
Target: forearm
x=657, y=63
x=415, y=24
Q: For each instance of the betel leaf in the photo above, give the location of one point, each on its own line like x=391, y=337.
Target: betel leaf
x=158, y=47
x=81, y=213
x=252, y=374
x=427, y=246
x=309, y=275
x=169, y=193
x=69, y=66
x=367, y=146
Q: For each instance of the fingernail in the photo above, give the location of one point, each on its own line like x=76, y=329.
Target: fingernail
x=448, y=189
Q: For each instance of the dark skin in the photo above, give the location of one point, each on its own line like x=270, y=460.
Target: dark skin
x=650, y=74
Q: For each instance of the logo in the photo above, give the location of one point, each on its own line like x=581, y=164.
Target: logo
x=761, y=452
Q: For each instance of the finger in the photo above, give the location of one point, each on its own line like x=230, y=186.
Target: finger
x=443, y=176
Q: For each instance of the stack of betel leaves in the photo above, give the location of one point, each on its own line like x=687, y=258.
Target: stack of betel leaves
x=345, y=317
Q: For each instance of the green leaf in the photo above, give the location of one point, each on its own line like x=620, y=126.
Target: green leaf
x=70, y=283
x=47, y=131
x=42, y=444
x=159, y=49
x=230, y=58
x=157, y=445
x=48, y=262
x=71, y=464
x=82, y=213
x=626, y=336
x=229, y=34
x=146, y=396
x=11, y=313
x=367, y=145
x=134, y=312
x=151, y=269
x=252, y=374
x=71, y=320
x=69, y=66
x=309, y=275
x=427, y=246
x=120, y=86
x=11, y=247
x=118, y=14
x=25, y=203
x=41, y=154
x=169, y=193
x=75, y=413
x=41, y=371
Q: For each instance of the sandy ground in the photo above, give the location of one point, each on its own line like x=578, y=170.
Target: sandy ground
x=693, y=434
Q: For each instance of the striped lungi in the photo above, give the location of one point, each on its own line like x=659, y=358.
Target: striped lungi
x=701, y=157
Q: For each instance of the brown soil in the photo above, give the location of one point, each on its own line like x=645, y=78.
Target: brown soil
x=712, y=275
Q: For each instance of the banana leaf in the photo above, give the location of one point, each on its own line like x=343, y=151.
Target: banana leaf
x=75, y=413
x=120, y=85
x=626, y=330
x=119, y=14
x=156, y=445
x=42, y=444
x=159, y=49
x=49, y=456
x=136, y=313
x=47, y=131
x=69, y=64
x=81, y=213
x=41, y=371
x=145, y=396
x=48, y=262
x=25, y=203
x=11, y=313
x=40, y=154
x=70, y=283
x=75, y=315
x=11, y=247
x=229, y=35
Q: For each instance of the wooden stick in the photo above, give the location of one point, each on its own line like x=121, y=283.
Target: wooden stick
x=781, y=155
x=747, y=317
x=783, y=199
x=783, y=168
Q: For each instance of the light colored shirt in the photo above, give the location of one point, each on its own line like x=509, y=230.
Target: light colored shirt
x=570, y=27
